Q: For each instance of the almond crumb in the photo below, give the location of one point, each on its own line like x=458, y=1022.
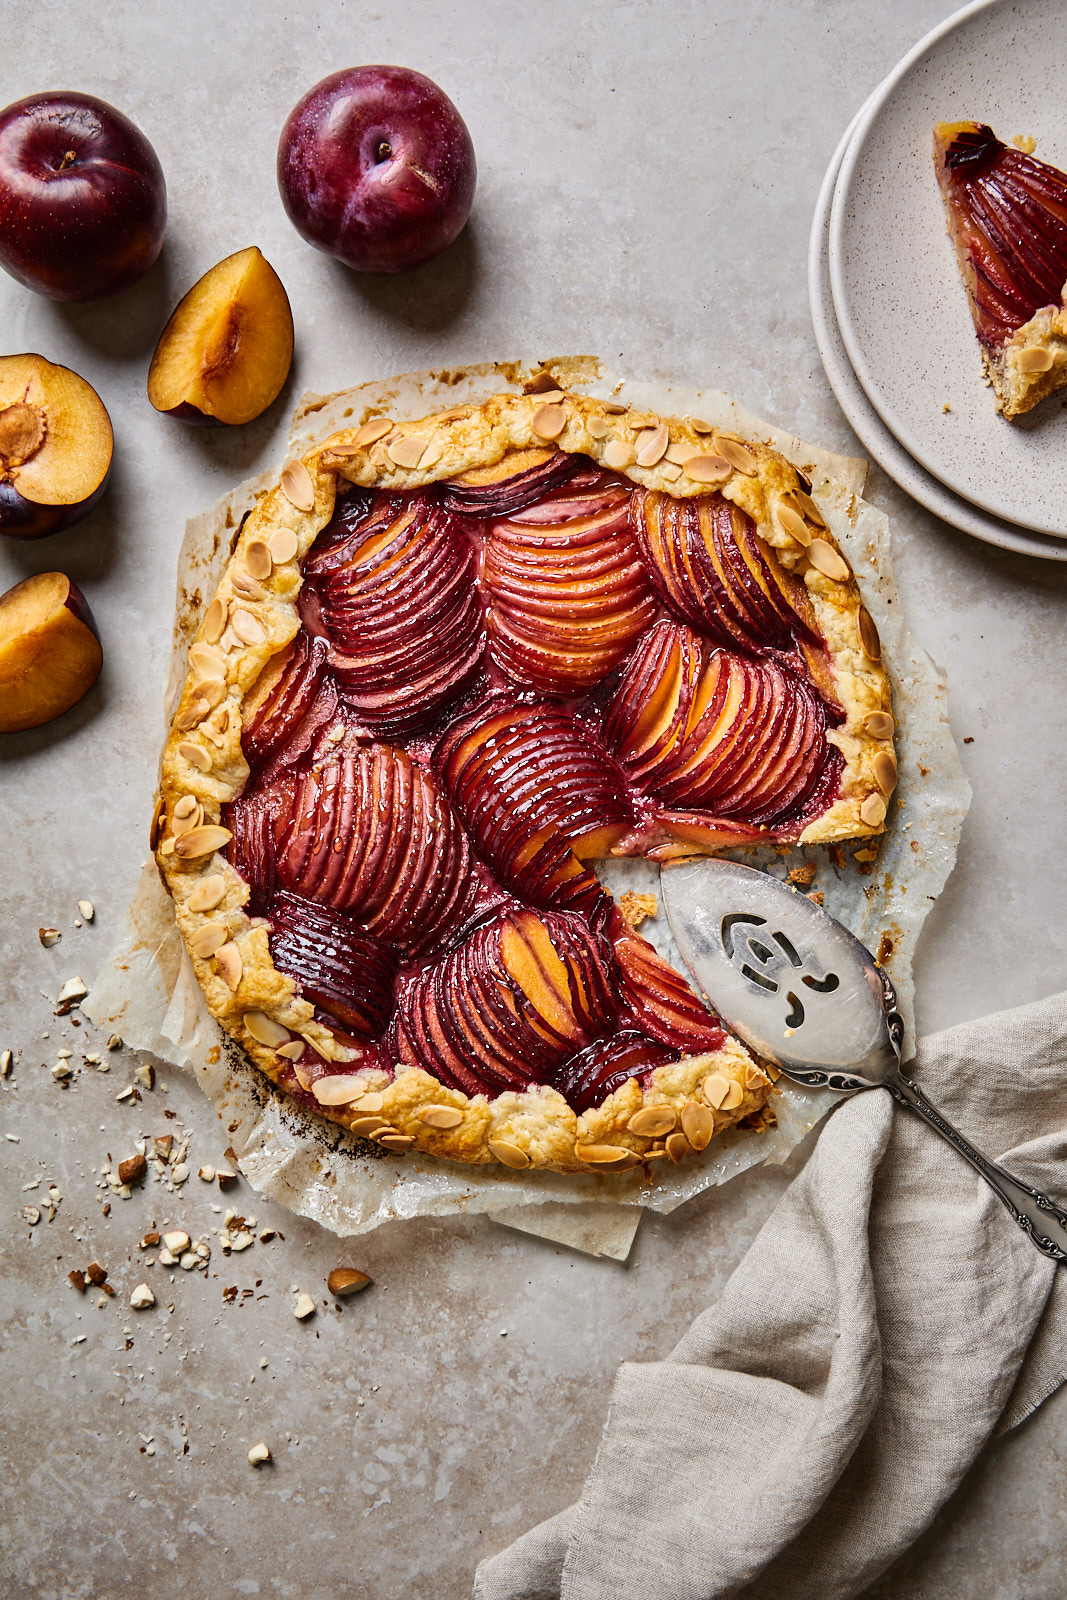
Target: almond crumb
x=259, y=1455
x=304, y=1307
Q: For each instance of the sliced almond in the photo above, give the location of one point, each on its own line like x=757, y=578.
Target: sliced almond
x=708, y=469
x=809, y=508
x=372, y=1101
x=339, y=1090
x=209, y=893
x=202, y=841
x=207, y=941
x=247, y=587
x=297, y=486
x=185, y=806
x=825, y=559
x=548, y=423
x=715, y=1088
x=196, y=755
x=247, y=627
x=755, y=1078
x=265, y=1030
x=599, y=427
x=215, y=621
x=49, y=937
x=698, y=425
x=230, y=966
x=367, y=1127
x=456, y=414
x=794, y=524
x=407, y=450
x=618, y=454
x=206, y=661
x=283, y=546
x=670, y=471
x=193, y=713
x=540, y=383
x=440, y=1116
x=873, y=810
x=738, y=455
x=677, y=1147
x=682, y=451
x=869, y=639
x=879, y=724
x=734, y=1097
x=344, y=1281
x=510, y=1154
x=652, y=1121
x=293, y=1050
x=698, y=1124
x=372, y=431
x=258, y=559
x=884, y=767
x=651, y=445
x=211, y=692
x=845, y=742
x=602, y=1155
x=395, y=1141
x=1035, y=359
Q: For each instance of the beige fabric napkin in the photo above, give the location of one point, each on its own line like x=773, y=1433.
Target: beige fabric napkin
x=889, y=1317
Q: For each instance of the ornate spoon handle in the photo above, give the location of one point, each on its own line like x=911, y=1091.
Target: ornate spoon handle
x=1035, y=1213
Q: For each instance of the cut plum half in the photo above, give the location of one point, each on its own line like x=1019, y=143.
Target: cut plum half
x=50, y=653
x=55, y=447
x=226, y=352
x=1007, y=215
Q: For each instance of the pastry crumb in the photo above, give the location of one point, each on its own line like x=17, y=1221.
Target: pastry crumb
x=804, y=876
x=1025, y=142
x=946, y=407
x=636, y=907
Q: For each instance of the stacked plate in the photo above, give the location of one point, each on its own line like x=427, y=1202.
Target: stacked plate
x=890, y=311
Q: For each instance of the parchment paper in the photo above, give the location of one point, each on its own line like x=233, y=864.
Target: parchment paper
x=147, y=990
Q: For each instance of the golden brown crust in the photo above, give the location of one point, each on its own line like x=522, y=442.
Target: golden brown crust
x=253, y=617
x=1033, y=363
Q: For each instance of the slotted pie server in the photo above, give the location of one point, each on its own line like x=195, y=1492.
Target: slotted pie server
x=805, y=994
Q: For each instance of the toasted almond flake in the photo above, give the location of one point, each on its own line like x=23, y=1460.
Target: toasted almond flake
x=247, y=627
x=209, y=893
x=372, y=431
x=167, y=847
x=670, y=471
x=884, y=768
x=183, y=824
x=551, y=396
x=265, y=1030
x=258, y=560
x=615, y=408
x=367, y=1127
x=549, y=422
x=185, y=806
x=304, y=1307
x=206, y=661
x=196, y=755
x=794, y=524
x=395, y=1141
x=372, y=1101
x=49, y=937
x=142, y=1297
x=698, y=1124
x=708, y=469
x=297, y=486
x=651, y=445
x=202, y=841
x=825, y=559
x=540, y=382
x=206, y=941
x=734, y=1096
x=193, y=714
x=677, y=1148
x=215, y=620
x=738, y=455
x=754, y=1078
x=230, y=966
x=809, y=508
x=283, y=546
x=879, y=724
x=1035, y=359
x=508, y=1153
x=845, y=742
x=715, y=1089
x=617, y=454
x=599, y=427
x=440, y=1116
x=456, y=414
x=431, y=455
x=339, y=1090
x=293, y=1050
x=406, y=451
x=873, y=810
x=211, y=691
x=602, y=1155
x=869, y=639
x=698, y=425
x=682, y=451
x=347, y=1280
x=652, y=1121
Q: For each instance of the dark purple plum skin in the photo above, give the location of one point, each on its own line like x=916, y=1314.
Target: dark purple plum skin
x=377, y=212
x=25, y=519
x=89, y=228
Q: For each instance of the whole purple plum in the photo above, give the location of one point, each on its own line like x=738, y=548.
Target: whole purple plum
x=376, y=167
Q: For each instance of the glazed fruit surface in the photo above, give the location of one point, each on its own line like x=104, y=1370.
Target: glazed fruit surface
x=496, y=683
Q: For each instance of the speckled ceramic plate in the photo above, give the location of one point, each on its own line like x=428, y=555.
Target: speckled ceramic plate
x=897, y=292
x=868, y=425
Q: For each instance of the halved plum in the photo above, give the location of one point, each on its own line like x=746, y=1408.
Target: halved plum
x=55, y=447
x=50, y=653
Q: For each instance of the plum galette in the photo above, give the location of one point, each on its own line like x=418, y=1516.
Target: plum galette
x=451, y=663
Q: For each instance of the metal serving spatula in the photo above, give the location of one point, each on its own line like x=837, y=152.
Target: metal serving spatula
x=805, y=994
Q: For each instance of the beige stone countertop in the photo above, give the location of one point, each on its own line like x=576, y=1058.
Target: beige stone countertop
x=647, y=174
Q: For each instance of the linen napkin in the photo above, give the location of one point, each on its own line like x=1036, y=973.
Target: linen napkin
x=889, y=1317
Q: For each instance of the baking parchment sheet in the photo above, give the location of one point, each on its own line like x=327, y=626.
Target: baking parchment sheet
x=147, y=990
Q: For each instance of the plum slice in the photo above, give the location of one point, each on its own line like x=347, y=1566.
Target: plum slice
x=401, y=607
x=50, y=653
x=587, y=1078
x=1007, y=215
x=55, y=447
x=661, y=1001
x=226, y=352
x=340, y=968
x=518, y=480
